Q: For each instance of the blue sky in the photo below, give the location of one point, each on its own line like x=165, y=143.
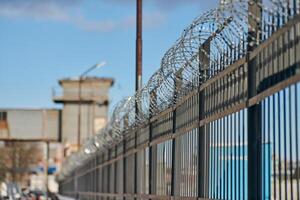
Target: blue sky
x=46, y=40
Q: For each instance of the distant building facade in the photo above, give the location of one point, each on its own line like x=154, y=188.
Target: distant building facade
x=89, y=98
x=21, y=129
x=30, y=124
x=57, y=127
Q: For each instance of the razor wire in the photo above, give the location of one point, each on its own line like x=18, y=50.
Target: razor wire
x=211, y=43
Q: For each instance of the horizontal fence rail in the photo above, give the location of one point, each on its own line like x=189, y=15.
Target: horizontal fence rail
x=234, y=136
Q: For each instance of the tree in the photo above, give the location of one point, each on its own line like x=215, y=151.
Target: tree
x=17, y=160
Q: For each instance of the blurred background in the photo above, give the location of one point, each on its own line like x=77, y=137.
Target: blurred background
x=63, y=65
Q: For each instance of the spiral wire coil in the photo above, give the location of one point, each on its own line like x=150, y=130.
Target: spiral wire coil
x=211, y=43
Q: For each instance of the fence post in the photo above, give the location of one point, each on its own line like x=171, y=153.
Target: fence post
x=116, y=170
x=124, y=169
x=150, y=160
x=173, y=156
x=152, y=104
x=254, y=112
x=177, y=88
x=203, y=145
x=201, y=149
x=76, y=185
x=108, y=171
x=97, y=175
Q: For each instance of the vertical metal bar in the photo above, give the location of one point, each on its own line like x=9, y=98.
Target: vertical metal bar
x=291, y=141
x=150, y=159
x=220, y=154
x=169, y=167
x=218, y=176
x=184, y=142
x=163, y=161
x=279, y=144
x=230, y=145
x=254, y=112
x=285, y=143
x=201, y=149
x=182, y=154
x=244, y=153
x=226, y=146
x=231, y=158
x=135, y=181
x=215, y=163
x=157, y=169
x=124, y=169
x=269, y=144
x=239, y=154
x=116, y=172
x=196, y=157
x=236, y=157
x=254, y=137
x=212, y=162
x=263, y=150
x=203, y=144
x=161, y=167
x=274, y=146
x=173, y=155
x=188, y=163
x=108, y=167
x=296, y=137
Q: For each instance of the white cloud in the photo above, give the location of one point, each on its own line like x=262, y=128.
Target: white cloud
x=170, y=4
x=56, y=10
x=151, y=20
x=68, y=11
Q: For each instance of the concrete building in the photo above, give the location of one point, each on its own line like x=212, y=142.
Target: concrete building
x=85, y=108
x=34, y=124
x=55, y=131
x=22, y=128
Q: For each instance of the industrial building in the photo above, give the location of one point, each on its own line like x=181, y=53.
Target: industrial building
x=56, y=133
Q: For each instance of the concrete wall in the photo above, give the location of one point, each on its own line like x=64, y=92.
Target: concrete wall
x=93, y=118
x=31, y=124
x=92, y=89
x=93, y=106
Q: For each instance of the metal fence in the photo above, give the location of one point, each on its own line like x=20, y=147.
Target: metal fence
x=232, y=136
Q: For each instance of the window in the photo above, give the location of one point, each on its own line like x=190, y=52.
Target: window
x=3, y=116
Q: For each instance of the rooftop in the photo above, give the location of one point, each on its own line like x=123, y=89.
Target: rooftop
x=87, y=79
x=28, y=109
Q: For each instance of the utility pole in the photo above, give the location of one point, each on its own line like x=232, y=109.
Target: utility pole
x=139, y=45
x=138, y=75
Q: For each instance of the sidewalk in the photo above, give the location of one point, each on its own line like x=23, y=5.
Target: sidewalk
x=63, y=197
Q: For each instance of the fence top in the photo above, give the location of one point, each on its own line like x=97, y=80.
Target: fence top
x=218, y=39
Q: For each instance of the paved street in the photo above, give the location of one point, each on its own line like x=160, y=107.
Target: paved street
x=63, y=197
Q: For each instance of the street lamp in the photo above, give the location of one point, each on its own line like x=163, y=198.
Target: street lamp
x=81, y=78
x=96, y=66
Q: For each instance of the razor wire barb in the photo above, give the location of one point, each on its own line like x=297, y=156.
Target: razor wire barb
x=212, y=42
